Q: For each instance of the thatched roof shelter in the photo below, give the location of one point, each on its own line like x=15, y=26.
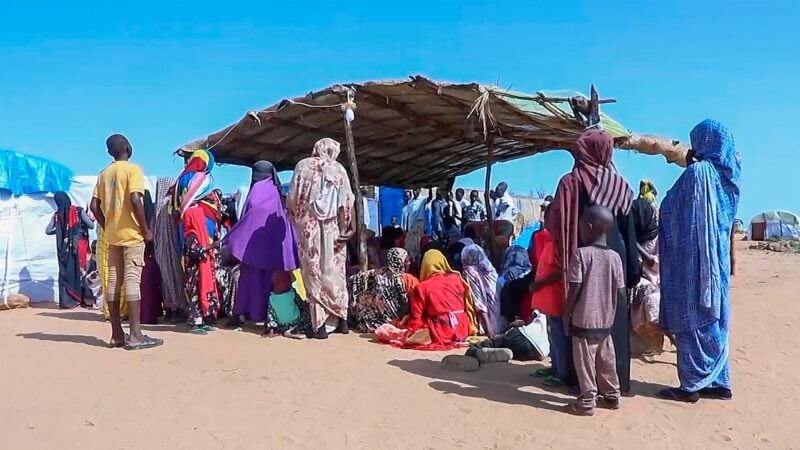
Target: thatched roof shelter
x=408, y=133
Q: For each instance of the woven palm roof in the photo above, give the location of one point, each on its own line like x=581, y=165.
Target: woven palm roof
x=407, y=133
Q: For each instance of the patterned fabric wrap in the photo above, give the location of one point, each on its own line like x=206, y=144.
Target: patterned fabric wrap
x=195, y=182
x=378, y=296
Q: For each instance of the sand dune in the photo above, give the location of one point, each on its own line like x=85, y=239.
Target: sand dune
x=62, y=389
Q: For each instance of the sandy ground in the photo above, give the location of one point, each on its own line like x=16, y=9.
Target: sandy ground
x=62, y=389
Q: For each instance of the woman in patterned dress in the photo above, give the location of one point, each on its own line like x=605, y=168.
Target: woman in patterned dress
x=321, y=206
x=381, y=296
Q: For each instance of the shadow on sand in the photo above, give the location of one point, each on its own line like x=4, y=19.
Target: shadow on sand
x=84, y=316
x=496, y=382
x=92, y=341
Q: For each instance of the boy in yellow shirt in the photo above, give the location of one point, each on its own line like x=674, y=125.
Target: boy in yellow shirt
x=118, y=205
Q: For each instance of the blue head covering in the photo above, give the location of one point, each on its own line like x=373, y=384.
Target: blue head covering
x=694, y=233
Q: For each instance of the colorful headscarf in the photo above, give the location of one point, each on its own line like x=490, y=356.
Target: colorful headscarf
x=647, y=191
x=195, y=182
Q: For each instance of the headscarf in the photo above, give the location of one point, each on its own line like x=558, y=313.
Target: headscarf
x=63, y=203
x=396, y=260
x=594, y=174
x=482, y=279
x=263, y=170
x=326, y=205
x=474, y=256
x=516, y=263
x=434, y=263
x=694, y=234
x=195, y=181
x=645, y=212
x=647, y=191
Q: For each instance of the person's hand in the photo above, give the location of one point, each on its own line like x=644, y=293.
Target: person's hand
x=517, y=323
x=649, y=261
x=148, y=236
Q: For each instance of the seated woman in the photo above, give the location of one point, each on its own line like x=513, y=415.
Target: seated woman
x=287, y=314
x=440, y=304
x=482, y=279
x=380, y=296
x=516, y=264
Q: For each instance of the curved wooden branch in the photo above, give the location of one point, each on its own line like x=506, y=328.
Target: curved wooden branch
x=673, y=151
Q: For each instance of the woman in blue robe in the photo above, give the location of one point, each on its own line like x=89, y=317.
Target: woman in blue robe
x=695, y=243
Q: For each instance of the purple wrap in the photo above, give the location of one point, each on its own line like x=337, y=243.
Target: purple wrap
x=264, y=241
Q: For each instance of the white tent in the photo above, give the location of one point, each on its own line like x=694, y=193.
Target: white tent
x=28, y=263
x=775, y=224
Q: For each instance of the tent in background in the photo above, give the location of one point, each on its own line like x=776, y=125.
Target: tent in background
x=774, y=224
x=28, y=260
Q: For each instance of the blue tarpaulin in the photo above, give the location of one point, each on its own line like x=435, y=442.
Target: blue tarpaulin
x=391, y=204
x=25, y=174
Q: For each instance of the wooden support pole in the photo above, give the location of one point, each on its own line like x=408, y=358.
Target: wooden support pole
x=361, y=231
x=492, y=246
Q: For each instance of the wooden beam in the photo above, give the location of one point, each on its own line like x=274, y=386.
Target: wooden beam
x=487, y=187
x=361, y=231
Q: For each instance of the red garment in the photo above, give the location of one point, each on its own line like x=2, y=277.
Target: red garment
x=438, y=305
x=82, y=244
x=194, y=224
x=549, y=300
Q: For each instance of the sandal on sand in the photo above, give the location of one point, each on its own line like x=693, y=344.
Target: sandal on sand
x=494, y=355
x=575, y=410
x=147, y=342
x=716, y=393
x=543, y=373
x=606, y=403
x=553, y=381
x=461, y=363
x=679, y=395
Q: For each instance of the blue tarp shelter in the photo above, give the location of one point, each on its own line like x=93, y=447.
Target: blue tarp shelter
x=26, y=174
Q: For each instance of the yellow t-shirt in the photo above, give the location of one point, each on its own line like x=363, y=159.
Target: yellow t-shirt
x=114, y=187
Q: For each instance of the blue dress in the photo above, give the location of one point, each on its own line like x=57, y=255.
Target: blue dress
x=694, y=244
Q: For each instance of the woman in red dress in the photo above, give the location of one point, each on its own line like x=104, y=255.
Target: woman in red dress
x=442, y=304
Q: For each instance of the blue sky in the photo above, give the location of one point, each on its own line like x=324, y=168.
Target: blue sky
x=169, y=72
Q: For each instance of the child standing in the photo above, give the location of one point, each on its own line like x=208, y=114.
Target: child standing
x=595, y=278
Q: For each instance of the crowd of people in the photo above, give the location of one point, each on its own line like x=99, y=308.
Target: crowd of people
x=603, y=278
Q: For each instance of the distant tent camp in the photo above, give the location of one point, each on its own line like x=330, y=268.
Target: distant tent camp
x=775, y=224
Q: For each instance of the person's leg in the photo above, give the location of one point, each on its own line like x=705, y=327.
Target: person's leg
x=520, y=346
x=621, y=335
x=584, y=352
x=561, y=354
x=114, y=294
x=133, y=257
x=607, y=379
x=132, y=274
